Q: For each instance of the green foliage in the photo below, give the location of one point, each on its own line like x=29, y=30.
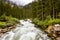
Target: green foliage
x=32, y=10
x=44, y=23
x=49, y=10
x=50, y=7
x=56, y=21
x=11, y=19
x=35, y=20
x=7, y=21
x=2, y=24
x=3, y=18
x=48, y=17
x=49, y=22
x=6, y=8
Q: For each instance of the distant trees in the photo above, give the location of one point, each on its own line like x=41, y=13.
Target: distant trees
x=43, y=8
x=38, y=9
x=8, y=9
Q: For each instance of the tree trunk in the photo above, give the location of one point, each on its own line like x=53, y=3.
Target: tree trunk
x=53, y=12
x=42, y=9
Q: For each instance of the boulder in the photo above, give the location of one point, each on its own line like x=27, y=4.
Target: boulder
x=54, y=31
x=58, y=38
x=49, y=29
x=4, y=30
x=56, y=27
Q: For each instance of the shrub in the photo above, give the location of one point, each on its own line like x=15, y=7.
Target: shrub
x=13, y=19
x=7, y=21
x=56, y=21
x=43, y=24
x=3, y=18
x=2, y=24
x=49, y=22
x=48, y=17
x=53, y=21
x=35, y=20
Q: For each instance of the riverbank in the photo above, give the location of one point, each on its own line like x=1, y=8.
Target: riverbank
x=7, y=29
x=50, y=26
x=53, y=31
x=7, y=23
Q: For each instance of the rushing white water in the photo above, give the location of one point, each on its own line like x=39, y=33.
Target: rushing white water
x=27, y=31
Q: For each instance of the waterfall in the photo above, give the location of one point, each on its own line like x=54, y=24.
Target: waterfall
x=25, y=31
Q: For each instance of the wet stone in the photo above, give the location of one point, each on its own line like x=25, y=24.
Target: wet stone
x=58, y=38
x=54, y=31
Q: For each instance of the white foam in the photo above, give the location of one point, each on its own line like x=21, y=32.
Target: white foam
x=26, y=32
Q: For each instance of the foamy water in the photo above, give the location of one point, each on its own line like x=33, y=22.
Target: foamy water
x=26, y=31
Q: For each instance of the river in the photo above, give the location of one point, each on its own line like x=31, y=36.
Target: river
x=25, y=31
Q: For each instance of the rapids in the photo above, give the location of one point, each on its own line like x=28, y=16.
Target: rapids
x=25, y=31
